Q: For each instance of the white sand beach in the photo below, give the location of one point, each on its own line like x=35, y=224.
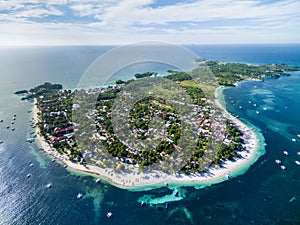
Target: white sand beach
x=137, y=180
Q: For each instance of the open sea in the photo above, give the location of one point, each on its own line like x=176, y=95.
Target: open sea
x=264, y=194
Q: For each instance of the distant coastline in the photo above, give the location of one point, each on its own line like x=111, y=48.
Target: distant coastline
x=149, y=180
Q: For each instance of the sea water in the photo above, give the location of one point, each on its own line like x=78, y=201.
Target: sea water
x=260, y=196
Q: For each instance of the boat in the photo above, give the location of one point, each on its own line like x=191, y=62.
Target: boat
x=240, y=107
x=298, y=135
x=1, y=121
x=79, y=196
x=65, y=166
x=285, y=152
x=7, y=127
x=30, y=140
x=12, y=122
x=176, y=193
x=143, y=204
x=293, y=139
x=28, y=175
x=98, y=180
x=49, y=185
x=12, y=129
x=265, y=108
x=254, y=104
x=292, y=199
x=283, y=167
x=167, y=205
x=297, y=162
x=228, y=176
x=257, y=112
x=277, y=161
x=31, y=164
x=53, y=160
x=109, y=215
x=298, y=153
x=1, y=142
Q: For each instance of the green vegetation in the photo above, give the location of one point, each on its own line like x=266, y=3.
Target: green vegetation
x=229, y=73
x=146, y=74
x=21, y=92
x=57, y=127
x=178, y=76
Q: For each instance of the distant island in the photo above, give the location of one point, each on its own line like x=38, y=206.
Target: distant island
x=58, y=134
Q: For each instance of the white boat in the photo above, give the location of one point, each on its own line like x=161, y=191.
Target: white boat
x=283, y=167
x=49, y=185
x=277, y=161
x=109, y=215
x=30, y=140
x=79, y=196
x=65, y=166
x=297, y=162
x=285, y=152
x=298, y=153
x=293, y=139
x=31, y=164
x=29, y=175
x=265, y=108
x=254, y=104
x=257, y=112
x=298, y=135
x=98, y=180
x=240, y=107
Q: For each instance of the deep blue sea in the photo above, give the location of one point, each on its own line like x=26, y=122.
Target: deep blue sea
x=265, y=194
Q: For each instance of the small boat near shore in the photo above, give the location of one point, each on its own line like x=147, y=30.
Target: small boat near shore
x=283, y=167
x=277, y=161
x=109, y=215
x=79, y=195
x=30, y=140
x=98, y=180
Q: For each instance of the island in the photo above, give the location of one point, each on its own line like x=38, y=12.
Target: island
x=76, y=144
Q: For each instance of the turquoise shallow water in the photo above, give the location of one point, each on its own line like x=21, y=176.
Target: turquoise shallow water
x=261, y=196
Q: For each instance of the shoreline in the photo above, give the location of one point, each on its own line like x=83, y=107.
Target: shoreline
x=150, y=180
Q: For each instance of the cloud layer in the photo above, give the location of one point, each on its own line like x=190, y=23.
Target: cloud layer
x=60, y=22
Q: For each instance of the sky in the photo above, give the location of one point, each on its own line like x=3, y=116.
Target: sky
x=110, y=22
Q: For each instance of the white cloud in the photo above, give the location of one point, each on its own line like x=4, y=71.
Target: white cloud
x=133, y=20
